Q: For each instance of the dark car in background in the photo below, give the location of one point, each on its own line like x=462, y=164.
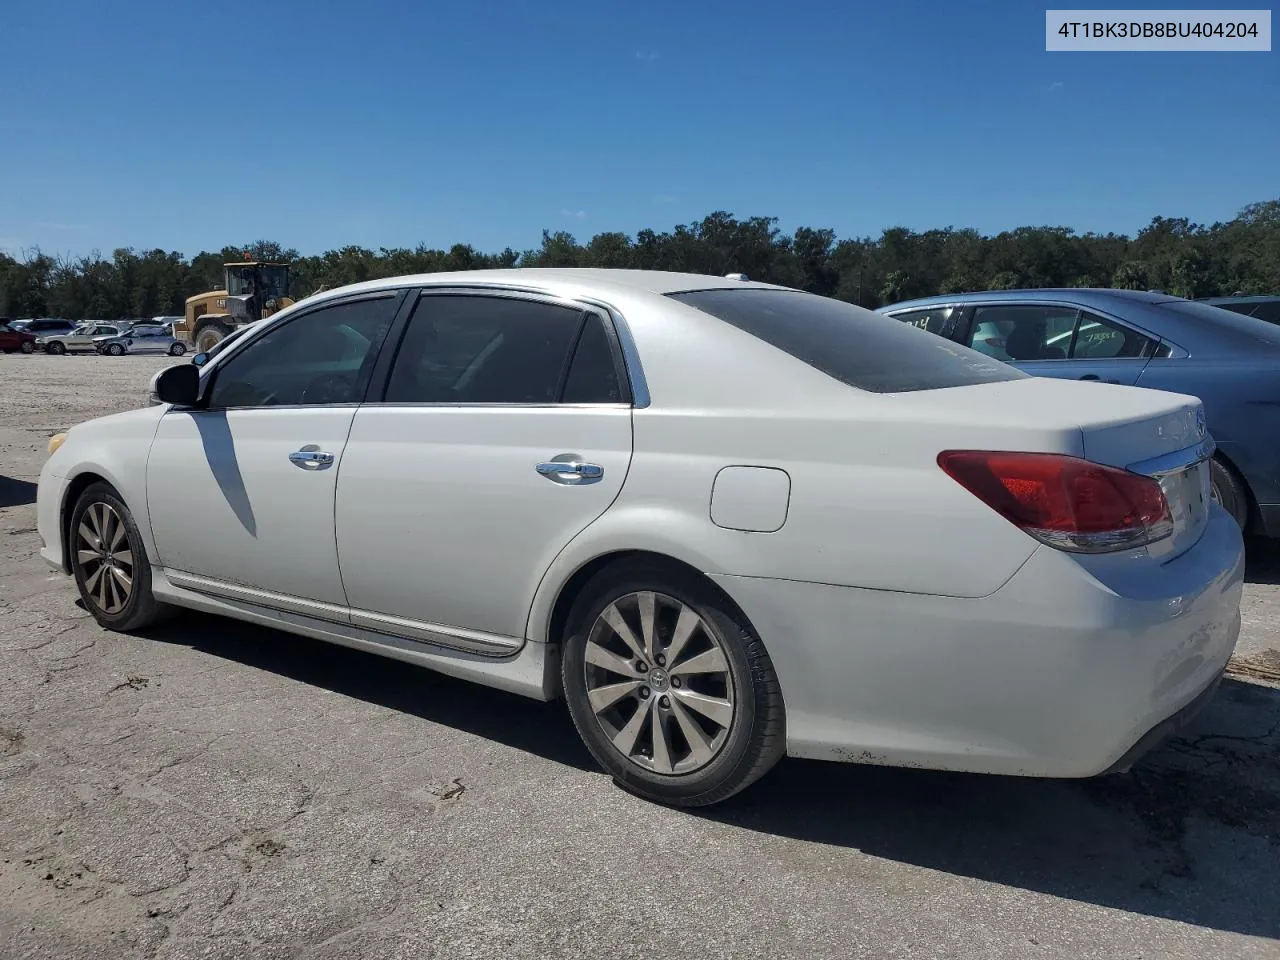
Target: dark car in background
x=1263, y=307
x=12, y=339
x=1229, y=361
x=46, y=326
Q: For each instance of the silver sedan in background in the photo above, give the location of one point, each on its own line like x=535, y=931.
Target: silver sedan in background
x=142, y=339
x=87, y=336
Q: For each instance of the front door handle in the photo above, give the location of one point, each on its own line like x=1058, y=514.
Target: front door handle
x=1090, y=376
x=568, y=469
x=311, y=459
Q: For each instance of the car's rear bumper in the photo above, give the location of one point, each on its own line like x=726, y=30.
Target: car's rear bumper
x=1060, y=672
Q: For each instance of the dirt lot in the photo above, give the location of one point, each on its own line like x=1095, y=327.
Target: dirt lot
x=217, y=790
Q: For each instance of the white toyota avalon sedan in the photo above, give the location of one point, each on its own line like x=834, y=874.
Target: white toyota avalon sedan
x=723, y=520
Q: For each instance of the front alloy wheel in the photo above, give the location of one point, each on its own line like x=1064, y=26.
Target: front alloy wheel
x=104, y=557
x=109, y=561
x=669, y=686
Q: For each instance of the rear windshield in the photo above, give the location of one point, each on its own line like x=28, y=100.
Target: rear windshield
x=853, y=345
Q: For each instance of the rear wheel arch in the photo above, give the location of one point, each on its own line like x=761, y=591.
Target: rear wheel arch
x=573, y=586
x=1251, y=503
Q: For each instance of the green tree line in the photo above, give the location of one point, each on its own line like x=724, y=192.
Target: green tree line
x=1175, y=255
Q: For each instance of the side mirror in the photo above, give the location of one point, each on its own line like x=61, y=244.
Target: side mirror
x=200, y=359
x=178, y=385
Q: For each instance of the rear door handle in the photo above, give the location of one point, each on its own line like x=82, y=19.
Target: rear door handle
x=311, y=459
x=570, y=471
x=1090, y=376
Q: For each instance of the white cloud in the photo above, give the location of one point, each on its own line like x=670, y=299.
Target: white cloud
x=664, y=198
x=648, y=56
x=576, y=214
x=1057, y=85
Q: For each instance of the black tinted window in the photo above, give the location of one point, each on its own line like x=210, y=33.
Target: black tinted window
x=321, y=357
x=1268, y=311
x=853, y=345
x=472, y=349
x=593, y=374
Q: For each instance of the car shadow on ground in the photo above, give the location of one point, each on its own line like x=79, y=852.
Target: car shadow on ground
x=1262, y=564
x=539, y=728
x=16, y=493
x=1191, y=834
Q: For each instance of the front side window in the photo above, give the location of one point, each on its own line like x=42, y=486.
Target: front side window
x=478, y=349
x=322, y=357
x=1017, y=332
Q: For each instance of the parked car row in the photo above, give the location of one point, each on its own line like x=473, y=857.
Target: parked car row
x=1229, y=361
x=722, y=520
x=106, y=338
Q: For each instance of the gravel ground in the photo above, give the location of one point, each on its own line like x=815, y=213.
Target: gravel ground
x=218, y=790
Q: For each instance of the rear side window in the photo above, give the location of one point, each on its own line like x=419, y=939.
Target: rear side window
x=480, y=349
x=1099, y=339
x=855, y=346
x=939, y=320
x=593, y=372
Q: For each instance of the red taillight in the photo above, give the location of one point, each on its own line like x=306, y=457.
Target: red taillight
x=1063, y=501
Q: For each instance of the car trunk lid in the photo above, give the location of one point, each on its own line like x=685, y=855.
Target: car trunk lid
x=1152, y=432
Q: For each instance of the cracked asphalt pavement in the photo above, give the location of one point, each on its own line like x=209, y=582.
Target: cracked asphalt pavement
x=215, y=790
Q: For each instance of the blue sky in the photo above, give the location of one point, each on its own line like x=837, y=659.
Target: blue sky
x=187, y=126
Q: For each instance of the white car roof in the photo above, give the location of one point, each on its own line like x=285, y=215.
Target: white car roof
x=554, y=280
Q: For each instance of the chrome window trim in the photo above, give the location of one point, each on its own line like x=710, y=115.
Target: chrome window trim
x=626, y=341
x=634, y=369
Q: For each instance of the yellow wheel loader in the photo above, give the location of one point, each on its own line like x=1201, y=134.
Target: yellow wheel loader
x=251, y=290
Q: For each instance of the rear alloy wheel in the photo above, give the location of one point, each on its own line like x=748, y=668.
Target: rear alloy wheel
x=178, y=349
x=27, y=347
x=672, y=692
x=109, y=561
x=57, y=348
x=113, y=349
x=1225, y=488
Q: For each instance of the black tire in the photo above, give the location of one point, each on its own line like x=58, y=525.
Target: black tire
x=140, y=609
x=756, y=736
x=27, y=347
x=178, y=349
x=114, y=350
x=57, y=348
x=1229, y=490
x=209, y=335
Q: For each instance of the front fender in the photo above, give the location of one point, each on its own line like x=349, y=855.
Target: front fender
x=114, y=448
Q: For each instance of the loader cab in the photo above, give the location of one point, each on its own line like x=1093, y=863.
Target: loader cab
x=267, y=281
